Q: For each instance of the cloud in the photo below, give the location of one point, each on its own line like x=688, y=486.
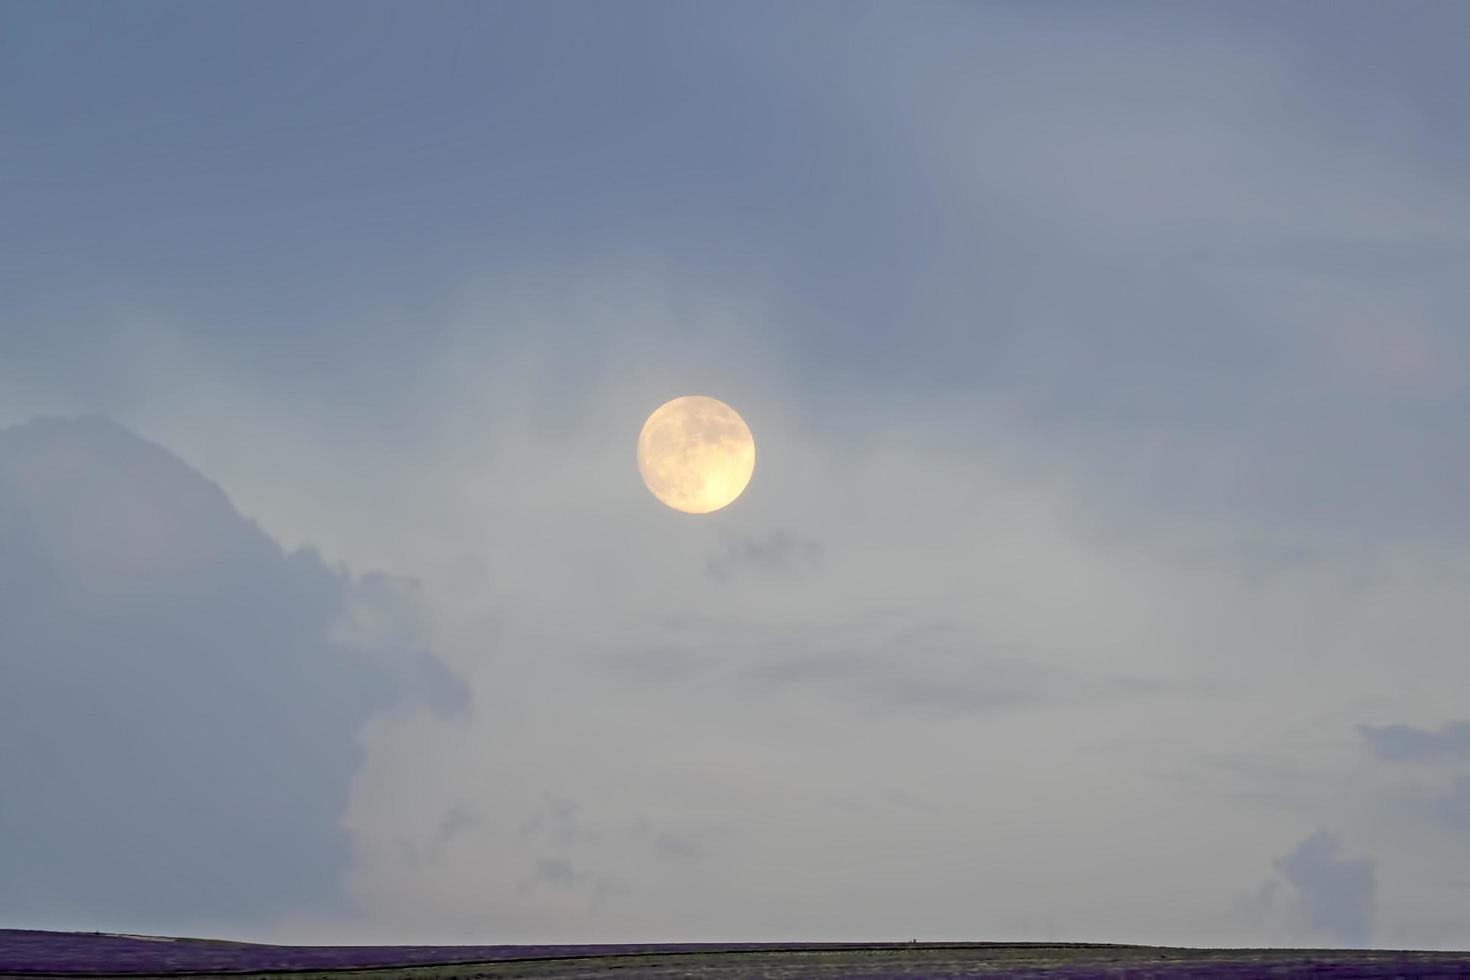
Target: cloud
x=777, y=553
x=181, y=700
x=654, y=664
x=570, y=882
x=1336, y=897
x=882, y=663
x=558, y=820
x=887, y=663
x=1255, y=908
x=667, y=843
x=386, y=617
x=1454, y=806
x=556, y=872
x=956, y=682
x=1405, y=743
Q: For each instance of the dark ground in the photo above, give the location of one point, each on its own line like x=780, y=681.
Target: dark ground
x=69, y=955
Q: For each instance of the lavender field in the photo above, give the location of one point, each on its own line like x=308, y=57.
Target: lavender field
x=59, y=954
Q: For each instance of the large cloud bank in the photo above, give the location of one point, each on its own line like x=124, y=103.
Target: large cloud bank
x=181, y=697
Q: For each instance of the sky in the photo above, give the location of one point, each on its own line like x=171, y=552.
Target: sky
x=1102, y=573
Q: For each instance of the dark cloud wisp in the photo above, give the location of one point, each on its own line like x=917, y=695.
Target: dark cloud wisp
x=1405, y=743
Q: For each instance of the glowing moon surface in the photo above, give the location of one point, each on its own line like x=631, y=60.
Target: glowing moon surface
x=696, y=454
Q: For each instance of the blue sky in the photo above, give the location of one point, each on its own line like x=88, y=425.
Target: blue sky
x=1108, y=370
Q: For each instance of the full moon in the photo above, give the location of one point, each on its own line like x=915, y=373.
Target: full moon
x=696, y=454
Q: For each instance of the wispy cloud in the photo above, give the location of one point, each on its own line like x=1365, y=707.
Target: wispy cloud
x=1454, y=806
x=777, y=553
x=1405, y=743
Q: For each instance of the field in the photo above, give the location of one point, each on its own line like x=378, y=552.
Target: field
x=33, y=954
